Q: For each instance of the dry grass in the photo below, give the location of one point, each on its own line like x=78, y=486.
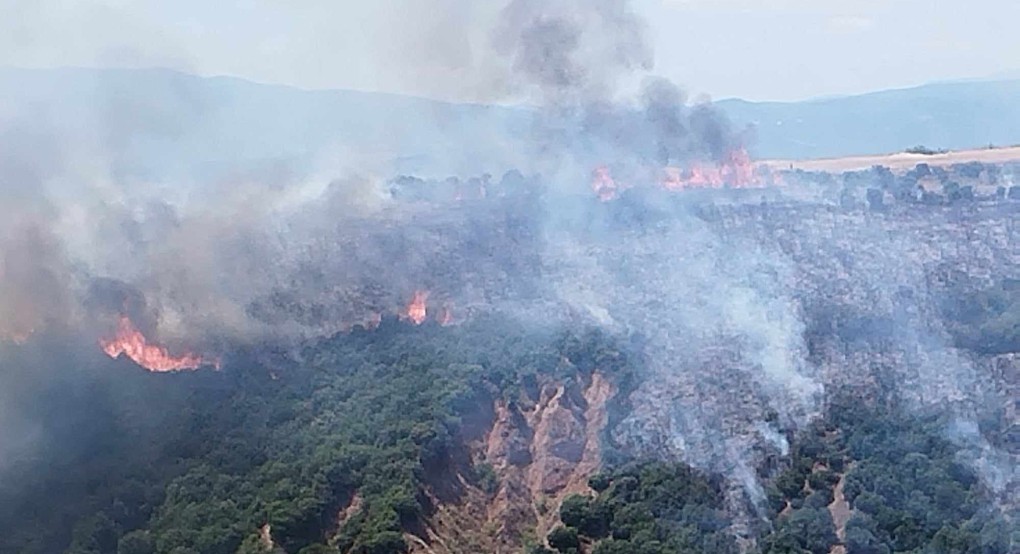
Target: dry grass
x=899, y=161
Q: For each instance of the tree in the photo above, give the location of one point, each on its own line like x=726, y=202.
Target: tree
x=611, y=546
x=318, y=549
x=783, y=543
x=95, y=535
x=599, y=482
x=136, y=542
x=574, y=510
x=597, y=520
x=813, y=528
x=564, y=539
x=386, y=542
x=862, y=541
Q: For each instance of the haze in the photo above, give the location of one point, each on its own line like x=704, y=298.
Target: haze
x=759, y=50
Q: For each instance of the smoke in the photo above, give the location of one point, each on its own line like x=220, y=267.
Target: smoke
x=723, y=343
x=194, y=248
x=577, y=62
x=571, y=52
x=280, y=250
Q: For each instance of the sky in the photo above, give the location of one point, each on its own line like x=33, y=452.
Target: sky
x=753, y=49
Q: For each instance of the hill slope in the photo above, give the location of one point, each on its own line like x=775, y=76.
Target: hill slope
x=161, y=124
x=164, y=124
x=944, y=115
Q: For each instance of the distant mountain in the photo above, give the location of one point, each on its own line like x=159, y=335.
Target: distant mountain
x=166, y=125
x=163, y=124
x=943, y=115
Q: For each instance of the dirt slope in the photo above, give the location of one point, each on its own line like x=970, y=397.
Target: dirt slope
x=540, y=451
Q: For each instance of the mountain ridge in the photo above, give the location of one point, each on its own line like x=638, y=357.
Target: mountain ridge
x=224, y=121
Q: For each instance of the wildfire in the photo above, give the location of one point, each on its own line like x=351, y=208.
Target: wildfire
x=416, y=311
x=735, y=171
x=131, y=342
x=603, y=184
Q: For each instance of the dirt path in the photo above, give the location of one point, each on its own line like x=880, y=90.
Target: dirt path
x=840, y=511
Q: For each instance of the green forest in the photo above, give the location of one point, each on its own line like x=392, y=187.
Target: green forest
x=197, y=463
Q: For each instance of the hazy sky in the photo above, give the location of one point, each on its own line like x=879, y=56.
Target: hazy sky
x=756, y=49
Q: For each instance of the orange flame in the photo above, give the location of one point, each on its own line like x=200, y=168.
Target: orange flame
x=416, y=311
x=131, y=342
x=735, y=171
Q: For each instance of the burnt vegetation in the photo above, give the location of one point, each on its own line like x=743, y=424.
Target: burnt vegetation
x=341, y=445
x=641, y=342
x=269, y=454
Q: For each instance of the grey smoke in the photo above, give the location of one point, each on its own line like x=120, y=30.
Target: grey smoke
x=304, y=246
x=572, y=51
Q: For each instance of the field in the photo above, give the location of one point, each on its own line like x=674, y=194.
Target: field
x=900, y=160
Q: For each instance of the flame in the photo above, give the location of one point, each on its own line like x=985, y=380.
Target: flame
x=736, y=171
x=131, y=342
x=603, y=184
x=416, y=311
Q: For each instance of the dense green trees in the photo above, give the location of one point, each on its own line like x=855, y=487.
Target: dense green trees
x=808, y=529
x=136, y=542
x=647, y=508
x=198, y=463
x=903, y=478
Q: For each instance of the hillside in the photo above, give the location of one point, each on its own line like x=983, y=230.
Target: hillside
x=902, y=160
x=169, y=125
x=217, y=337
x=693, y=416
x=165, y=125
x=952, y=116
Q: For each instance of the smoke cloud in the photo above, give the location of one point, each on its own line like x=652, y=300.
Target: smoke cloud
x=721, y=291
